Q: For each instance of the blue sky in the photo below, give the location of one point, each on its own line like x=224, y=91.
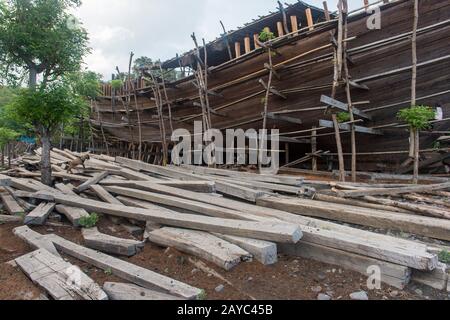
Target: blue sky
x=161, y=29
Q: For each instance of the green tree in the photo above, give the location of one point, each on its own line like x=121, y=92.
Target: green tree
x=42, y=38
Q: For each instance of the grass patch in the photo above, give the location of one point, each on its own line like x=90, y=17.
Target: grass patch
x=444, y=256
x=90, y=221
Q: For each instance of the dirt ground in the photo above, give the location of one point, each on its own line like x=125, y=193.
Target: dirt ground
x=289, y=279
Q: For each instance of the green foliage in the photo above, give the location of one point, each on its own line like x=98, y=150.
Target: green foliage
x=116, y=84
x=84, y=84
x=343, y=117
x=266, y=35
x=108, y=271
x=417, y=117
x=41, y=35
x=146, y=63
x=7, y=135
x=444, y=256
x=89, y=221
x=47, y=107
x=202, y=296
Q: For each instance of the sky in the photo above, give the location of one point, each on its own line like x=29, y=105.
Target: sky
x=160, y=29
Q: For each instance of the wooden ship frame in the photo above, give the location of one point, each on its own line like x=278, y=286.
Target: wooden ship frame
x=292, y=83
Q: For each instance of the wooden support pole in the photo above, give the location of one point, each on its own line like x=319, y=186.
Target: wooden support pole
x=415, y=132
x=247, y=44
x=326, y=11
x=237, y=49
x=294, y=24
x=339, y=149
x=309, y=19
x=314, y=148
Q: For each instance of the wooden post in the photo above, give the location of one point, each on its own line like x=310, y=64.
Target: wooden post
x=339, y=147
x=256, y=40
x=309, y=19
x=294, y=24
x=314, y=148
x=326, y=11
x=247, y=44
x=287, y=156
x=280, y=29
x=237, y=49
x=415, y=133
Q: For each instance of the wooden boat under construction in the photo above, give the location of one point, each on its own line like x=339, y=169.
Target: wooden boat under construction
x=137, y=118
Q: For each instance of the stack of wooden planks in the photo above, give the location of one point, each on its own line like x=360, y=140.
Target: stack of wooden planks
x=227, y=217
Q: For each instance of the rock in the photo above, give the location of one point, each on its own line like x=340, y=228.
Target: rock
x=320, y=277
x=220, y=288
x=250, y=279
x=360, y=295
x=418, y=292
x=316, y=289
x=323, y=297
x=394, y=293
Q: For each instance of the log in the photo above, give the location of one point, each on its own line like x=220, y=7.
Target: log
x=391, y=274
x=94, y=180
x=127, y=271
x=392, y=191
x=39, y=215
x=131, y=292
x=263, y=251
x=4, y=181
x=267, y=230
x=123, y=247
x=237, y=191
x=11, y=205
x=426, y=226
x=73, y=214
x=201, y=244
x=35, y=240
x=62, y=280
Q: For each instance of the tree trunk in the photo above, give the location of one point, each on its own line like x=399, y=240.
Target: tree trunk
x=33, y=78
x=46, y=167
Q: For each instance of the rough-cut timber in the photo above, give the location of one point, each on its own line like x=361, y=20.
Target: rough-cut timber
x=391, y=274
x=109, y=244
x=35, y=240
x=59, y=278
x=39, y=215
x=131, y=292
x=267, y=230
x=94, y=180
x=11, y=205
x=430, y=227
x=72, y=213
x=9, y=219
x=436, y=279
x=130, y=272
x=204, y=245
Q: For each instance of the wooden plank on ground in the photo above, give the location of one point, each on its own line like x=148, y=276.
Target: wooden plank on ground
x=237, y=191
x=436, y=279
x=5, y=181
x=426, y=226
x=10, y=219
x=392, y=191
x=35, y=239
x=66, y=189
x=104, y=195
x=11, y=205
x=266, y=230
x=263, y=251
x=391, y=274
x=195, y=186
x=109, y=244
x=73, y=214
x=39, y=215
x=62, y=280
x=125, y=270
x=201, y=244
x=94, y=180
x=131, y=292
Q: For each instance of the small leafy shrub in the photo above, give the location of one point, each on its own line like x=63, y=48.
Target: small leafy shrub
x=343, y=117
x=444, y=256
x=417, y=117
x=116, y=84
x=89, y=221
x=108, y=272
x=266, y=35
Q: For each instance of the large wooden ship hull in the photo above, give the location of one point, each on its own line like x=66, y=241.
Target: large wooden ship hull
x=380, y=64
